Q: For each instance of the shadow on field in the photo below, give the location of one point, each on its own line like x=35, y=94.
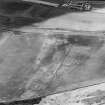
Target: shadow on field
x=38, y=14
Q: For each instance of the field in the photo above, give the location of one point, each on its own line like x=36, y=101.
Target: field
x=62, y=52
